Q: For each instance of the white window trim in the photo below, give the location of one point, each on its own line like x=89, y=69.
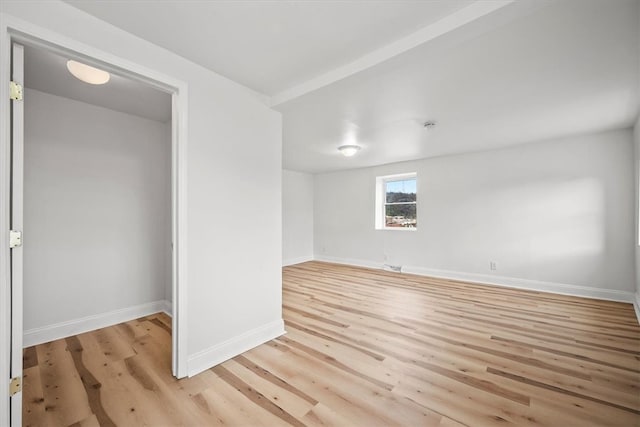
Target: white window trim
x=380, y=222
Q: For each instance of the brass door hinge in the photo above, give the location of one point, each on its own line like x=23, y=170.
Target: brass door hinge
x=15, y=239
x=15, y=91
x=15, y=385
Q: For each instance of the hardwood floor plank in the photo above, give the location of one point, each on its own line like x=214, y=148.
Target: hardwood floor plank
x=559, y=390
x=260, y=371
x=91, y=384
x=325, y=358
x=65, y=398
x=229, y=407
x=33, y=406
x=156, y=321
x=287, y=401
x=92, y=421
x=375, y=356
x=29, y=358
x=255, y=396
x=635, y=368
x=321, y=415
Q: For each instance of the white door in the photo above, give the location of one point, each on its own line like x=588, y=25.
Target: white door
x=17, y=163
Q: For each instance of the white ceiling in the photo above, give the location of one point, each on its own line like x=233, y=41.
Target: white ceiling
x=492, y=73
x=569, y=67
x=270, y=46
x=47, y=72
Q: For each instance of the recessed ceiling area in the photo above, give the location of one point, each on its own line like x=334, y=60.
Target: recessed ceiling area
x=47, y=71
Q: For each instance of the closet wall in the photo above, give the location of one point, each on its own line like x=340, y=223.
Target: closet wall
x=97, y=234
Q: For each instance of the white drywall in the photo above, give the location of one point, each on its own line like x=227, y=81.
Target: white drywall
x=636, y=234
x=233, y=195
x=97, y=206
x=554, y=212
x=297, y=217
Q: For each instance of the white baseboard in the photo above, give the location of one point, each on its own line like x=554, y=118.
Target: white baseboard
x=69, y=328
x=349, y=261
x=509, y=282
x=528, y=284
x=167, y=308
x=636, y=305
x=298, y=260
x=226, y=350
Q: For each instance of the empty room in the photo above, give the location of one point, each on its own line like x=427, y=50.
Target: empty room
x=346, y=213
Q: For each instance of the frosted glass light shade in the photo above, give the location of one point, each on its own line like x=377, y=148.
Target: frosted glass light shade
x=348, y=150
x=87, y=73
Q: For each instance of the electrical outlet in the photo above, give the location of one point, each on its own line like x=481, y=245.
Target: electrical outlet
x=492, y=265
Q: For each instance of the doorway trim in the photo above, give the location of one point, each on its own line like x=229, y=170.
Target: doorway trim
x=16, y=30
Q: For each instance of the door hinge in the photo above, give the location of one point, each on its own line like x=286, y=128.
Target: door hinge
x=15, y=239
x=15, y=385
x=15, y=91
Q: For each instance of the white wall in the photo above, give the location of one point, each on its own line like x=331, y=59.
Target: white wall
x=297, y=217
x=548, y=213
x=97, y=203
x=636, y=234
x=233, y=270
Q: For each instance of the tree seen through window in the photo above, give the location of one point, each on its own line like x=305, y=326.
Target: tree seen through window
x=400, y=203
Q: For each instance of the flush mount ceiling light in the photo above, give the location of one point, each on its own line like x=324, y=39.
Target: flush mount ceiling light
x=348, y=150
x=87, y=74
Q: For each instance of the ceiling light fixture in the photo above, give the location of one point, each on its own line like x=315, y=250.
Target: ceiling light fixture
x=349, y=150
x=87, y=73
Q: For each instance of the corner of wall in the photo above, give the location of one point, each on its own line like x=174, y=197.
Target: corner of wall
x=297, y=217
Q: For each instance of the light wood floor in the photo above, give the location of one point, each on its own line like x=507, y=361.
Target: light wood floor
x=364, y=347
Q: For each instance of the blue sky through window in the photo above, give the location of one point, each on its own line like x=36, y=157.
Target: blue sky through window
x=404, y=186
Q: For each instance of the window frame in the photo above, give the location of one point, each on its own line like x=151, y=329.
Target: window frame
x=381, y=200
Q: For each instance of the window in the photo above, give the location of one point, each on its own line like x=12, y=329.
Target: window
x=396, y=202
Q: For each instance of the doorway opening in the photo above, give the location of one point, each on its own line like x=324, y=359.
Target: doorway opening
x=80, y=221
x=96, y=201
